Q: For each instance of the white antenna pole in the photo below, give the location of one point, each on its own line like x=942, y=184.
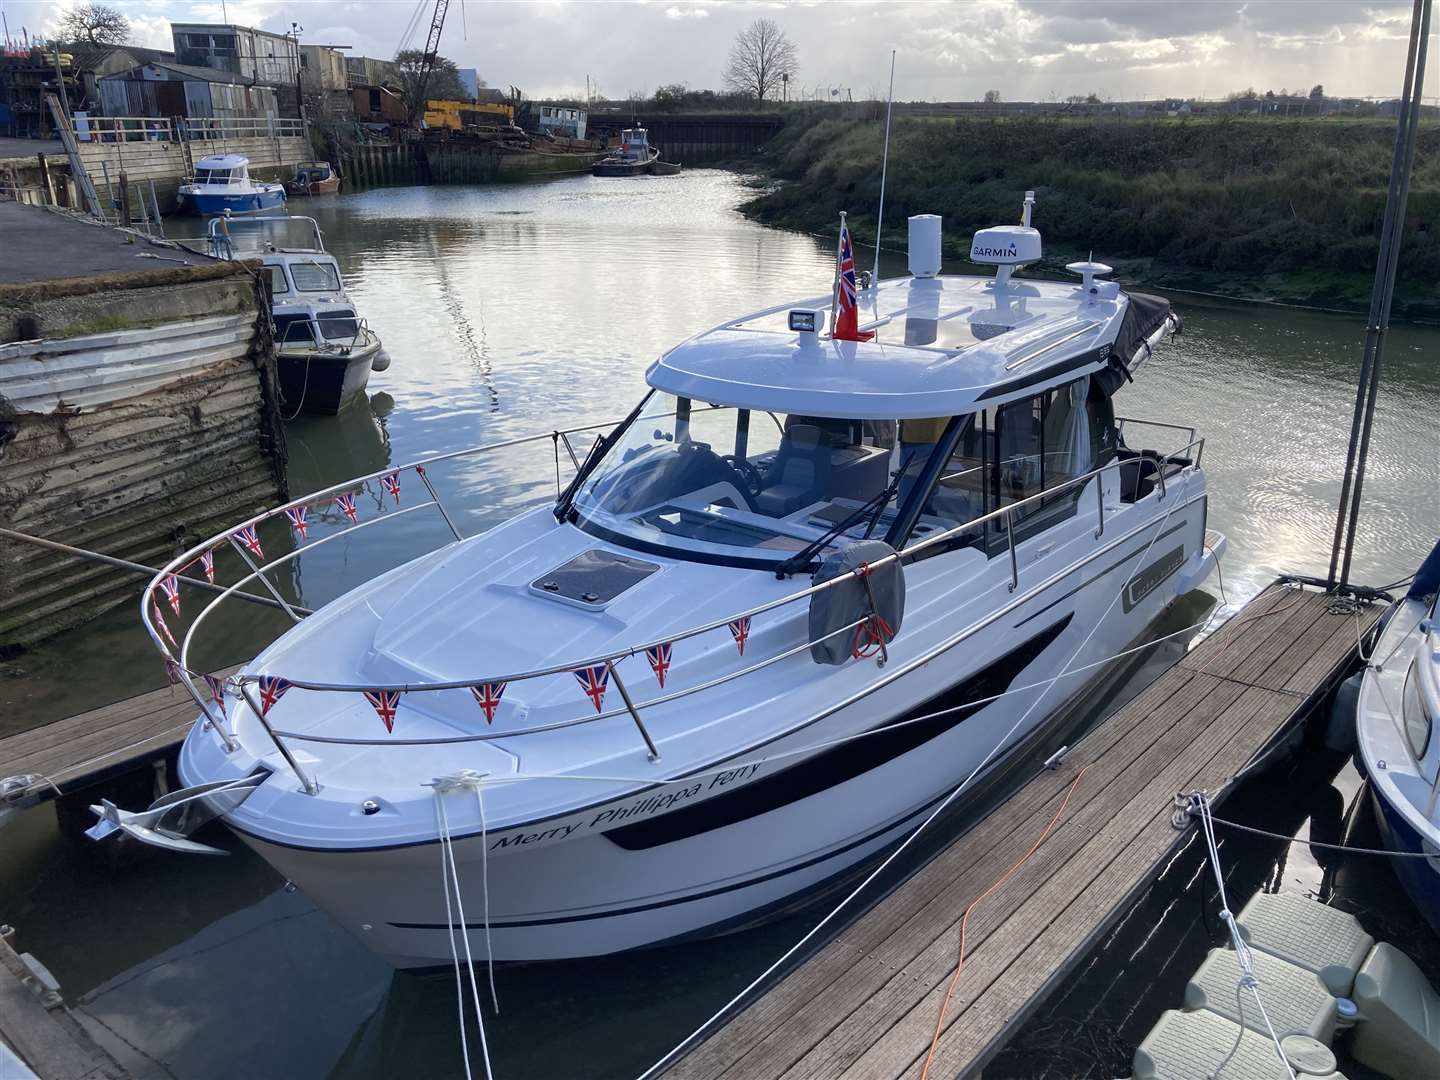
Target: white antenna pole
x=884, y=165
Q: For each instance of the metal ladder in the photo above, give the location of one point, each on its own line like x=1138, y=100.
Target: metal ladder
x=72, y=149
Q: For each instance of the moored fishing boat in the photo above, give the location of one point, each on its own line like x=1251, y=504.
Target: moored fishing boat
x=324, y=351
x=703, y=682
x=313, y=178
x=222, y=183
x=633, y=157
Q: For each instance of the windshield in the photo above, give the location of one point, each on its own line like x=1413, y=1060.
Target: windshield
x=315, y=276
x=730, y=485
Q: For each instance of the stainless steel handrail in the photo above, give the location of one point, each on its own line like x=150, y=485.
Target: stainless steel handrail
x=1005, y=514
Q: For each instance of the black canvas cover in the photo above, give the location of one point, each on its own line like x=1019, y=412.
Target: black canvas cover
x=1144, y=315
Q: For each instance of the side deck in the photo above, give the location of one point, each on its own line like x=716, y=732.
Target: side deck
x=869, y=1003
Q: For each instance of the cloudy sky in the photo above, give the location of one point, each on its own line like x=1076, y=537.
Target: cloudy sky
x=947, y=49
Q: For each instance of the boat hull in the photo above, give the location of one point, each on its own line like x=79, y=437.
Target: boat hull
x=322, y=383
x=322, y=187
x=720, y=848
x=246, y=203
x=1420, y=877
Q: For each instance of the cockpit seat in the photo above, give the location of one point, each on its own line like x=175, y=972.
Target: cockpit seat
x=799, y=474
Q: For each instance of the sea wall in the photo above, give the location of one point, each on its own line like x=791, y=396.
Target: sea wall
x=138, y=414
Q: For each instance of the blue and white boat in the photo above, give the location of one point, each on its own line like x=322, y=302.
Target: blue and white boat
x=1394, y=727
x=222, y=182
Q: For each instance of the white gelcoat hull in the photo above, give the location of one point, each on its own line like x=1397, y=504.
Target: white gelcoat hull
x=574, y=892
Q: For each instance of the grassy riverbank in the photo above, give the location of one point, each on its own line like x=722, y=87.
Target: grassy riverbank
x=1256, y=209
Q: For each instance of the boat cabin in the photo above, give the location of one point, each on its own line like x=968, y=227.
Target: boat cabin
x=223, y=170
x=766, y=438
x=312, y=172
x=308, y=300
x=634, y=144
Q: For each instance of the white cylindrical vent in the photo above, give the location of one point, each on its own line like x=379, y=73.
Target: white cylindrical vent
x=925, y=245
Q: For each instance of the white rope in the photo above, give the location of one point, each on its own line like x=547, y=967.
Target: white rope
x=680, y=1047
x=442, y=786
x=1200, y=807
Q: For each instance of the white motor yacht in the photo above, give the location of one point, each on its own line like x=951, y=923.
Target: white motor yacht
x=808, y=587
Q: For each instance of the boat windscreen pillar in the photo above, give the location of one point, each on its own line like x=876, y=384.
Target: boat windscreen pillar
x=682, y=419
x=742, y=434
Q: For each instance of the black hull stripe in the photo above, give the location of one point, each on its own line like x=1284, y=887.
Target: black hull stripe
x=840, y=764
x=560, y=920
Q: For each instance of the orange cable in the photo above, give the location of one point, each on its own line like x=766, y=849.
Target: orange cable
x=965, y=919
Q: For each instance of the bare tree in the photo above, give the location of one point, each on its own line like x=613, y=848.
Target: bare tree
x=761, y=60
x=992, y=97
x=95, y=24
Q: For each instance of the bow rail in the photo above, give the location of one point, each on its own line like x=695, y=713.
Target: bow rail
x=245, y=683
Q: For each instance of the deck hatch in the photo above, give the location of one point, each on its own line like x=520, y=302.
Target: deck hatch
x=594, y=578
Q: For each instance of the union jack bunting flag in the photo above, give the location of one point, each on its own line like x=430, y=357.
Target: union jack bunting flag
x=740, y=631
x=346, y=503
x=487, y=696
x=172, y=671
x=272, y=689
x=392, y=485
x=160, y=622
x=296, y=514
x=251, y=540
x=594, y=680
x=170, y=586
x=217, y=693
x=659, y=657
x=207, y=563
x=385, y=703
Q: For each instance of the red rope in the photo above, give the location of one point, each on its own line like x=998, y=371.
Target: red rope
x=965, y=920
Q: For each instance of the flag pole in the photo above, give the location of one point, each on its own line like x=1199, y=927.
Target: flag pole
x=884, y=166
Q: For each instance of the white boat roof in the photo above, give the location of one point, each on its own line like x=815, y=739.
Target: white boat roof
x=223, y=161
x=941, y=346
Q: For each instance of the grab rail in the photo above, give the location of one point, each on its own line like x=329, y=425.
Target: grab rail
x=1004, y=516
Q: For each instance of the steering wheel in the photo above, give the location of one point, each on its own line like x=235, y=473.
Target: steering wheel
x=749, y=472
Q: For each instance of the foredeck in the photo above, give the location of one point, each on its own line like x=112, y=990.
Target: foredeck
x=866, y=1004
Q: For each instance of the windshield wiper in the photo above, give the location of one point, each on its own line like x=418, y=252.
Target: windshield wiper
x=874, y=506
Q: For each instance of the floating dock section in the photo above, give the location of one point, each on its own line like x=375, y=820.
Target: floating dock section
x=869, y=1003
x=138, y=410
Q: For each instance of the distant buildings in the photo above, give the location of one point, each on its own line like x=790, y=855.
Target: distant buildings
x=256, y=56
x=169, y=89
x=566, y=120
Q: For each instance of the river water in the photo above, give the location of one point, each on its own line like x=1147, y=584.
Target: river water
x=520, y=309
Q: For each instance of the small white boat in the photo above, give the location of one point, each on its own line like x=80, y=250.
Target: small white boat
x=1398, y=706
x=702, y=683
x=324, y=352
x=222, y=183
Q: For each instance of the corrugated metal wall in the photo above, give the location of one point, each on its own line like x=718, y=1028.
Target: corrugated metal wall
x=130, y=443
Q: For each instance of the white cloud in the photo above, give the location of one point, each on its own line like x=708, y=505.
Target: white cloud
x=1035, y=49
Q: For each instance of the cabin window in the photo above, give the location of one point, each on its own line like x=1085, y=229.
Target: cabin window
x=315, y=276
x=278, y=284
x=1002, y=456
x=743, y=487
x=1416, y=718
